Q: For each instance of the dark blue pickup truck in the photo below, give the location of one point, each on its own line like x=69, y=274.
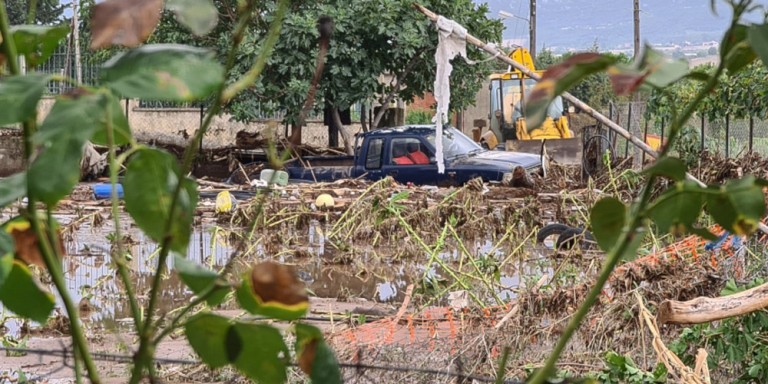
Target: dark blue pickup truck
x=408, y=155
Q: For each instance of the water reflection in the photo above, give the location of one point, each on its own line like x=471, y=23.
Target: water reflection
x=92, y=280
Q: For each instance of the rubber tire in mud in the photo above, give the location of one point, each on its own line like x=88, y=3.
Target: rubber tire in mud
x=550, y=230
x=567, y=239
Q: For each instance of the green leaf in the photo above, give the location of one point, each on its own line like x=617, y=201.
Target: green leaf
x=200, y=16
x=27, y=298
x=121, y=131
x=6, y=260
x=678, y=206
x=150, y=182
x=19, y=96
x=6, y=242
x=758, y=39
x=558, y=79
x=739, y=206
x=207, y=334
x=315, y=357
x=164, y=72
x=736, y=51
x=36, y=42
x=264, y=356
x=670, y=167
x=12, y=188
x=661, y=71
x=704, y=233
x=199, y=279
x=607, y=218
x=233, y=344
x=62, y=135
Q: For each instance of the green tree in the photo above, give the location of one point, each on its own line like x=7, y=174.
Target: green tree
x=370, y=38
x=48, y=11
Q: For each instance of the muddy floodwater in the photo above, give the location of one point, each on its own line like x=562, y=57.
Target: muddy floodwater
x=92, y=280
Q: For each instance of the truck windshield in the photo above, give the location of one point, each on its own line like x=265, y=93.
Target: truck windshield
x=455, y=143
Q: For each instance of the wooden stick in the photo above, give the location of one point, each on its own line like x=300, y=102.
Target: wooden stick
x=497, y=53
x=707, y=309
x=404, y=305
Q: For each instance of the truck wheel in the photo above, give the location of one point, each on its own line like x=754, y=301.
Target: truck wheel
x=568, y=239
x=554, y=229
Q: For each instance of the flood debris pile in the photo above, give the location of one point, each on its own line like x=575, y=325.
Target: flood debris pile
x=473, y=337
x=385, y=213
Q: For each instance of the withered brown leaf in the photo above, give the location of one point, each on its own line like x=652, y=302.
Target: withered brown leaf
x=124, y=22
x=26, y=245
x=307, y=356
x=273, y=282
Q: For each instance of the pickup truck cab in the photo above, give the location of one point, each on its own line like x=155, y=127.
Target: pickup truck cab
x=407, y=154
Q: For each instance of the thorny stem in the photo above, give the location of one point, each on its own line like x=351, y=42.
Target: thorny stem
x=203, y=296
x=32, y=11
x=146, y=343
x=269, y=43
x=635, y=221
x=120, y=262
x=50, y=256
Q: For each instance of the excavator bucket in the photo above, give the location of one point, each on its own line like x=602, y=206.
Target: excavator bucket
x=562, y=151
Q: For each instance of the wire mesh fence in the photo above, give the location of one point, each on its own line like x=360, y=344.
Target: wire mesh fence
x=727, y=137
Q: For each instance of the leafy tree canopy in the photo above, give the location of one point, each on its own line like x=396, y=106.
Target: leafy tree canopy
x=48, y=11
x=740, y=95
x=370, y=39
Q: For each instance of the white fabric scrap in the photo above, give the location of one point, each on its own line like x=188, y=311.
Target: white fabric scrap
x=451, y=42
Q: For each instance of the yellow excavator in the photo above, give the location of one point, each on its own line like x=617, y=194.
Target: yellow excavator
x=508, y=129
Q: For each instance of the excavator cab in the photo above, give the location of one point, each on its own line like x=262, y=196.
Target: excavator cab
x=508, y=93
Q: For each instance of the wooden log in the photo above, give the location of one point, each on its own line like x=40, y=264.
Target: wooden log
x=707, y=309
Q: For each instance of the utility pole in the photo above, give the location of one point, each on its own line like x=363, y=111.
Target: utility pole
x=637, y=28
x=76, y=38
x=532, y=31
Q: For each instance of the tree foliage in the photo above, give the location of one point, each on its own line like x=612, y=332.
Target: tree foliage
x=741, y=94
x=48, y=11
x=370, y=39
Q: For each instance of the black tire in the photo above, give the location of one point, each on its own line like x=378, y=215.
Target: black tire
x=568, y=239
x=550, y=230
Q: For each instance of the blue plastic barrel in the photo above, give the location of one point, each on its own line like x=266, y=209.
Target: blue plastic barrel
x=104, y=190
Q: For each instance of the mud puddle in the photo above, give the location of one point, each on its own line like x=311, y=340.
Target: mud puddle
x=93, y=283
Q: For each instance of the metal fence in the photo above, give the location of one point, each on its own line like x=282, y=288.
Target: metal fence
x=728, y=137
x=63, y=63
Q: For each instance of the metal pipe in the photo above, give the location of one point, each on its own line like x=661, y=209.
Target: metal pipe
x=751, y=131
x=727, y=134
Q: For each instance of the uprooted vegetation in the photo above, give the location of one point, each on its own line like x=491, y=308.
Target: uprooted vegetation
x=480, y=281
x=480, y=268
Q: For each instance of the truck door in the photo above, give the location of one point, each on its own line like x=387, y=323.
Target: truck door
x=410, y=161
x=374, y=156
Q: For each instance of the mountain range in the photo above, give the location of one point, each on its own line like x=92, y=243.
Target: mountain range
x=581, y=24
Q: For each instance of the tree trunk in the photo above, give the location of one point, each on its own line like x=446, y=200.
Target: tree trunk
x=295, y=138
x=344, y=133
x=396, y=88
x=706, y=309
x=364, y=117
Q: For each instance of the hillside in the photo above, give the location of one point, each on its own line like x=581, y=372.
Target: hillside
x=579, y=24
